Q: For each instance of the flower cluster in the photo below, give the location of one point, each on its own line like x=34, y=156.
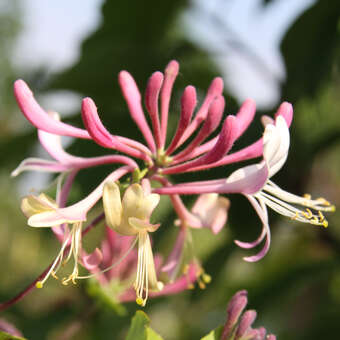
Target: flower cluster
x=132, y=191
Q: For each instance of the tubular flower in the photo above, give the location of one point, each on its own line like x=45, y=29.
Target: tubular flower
x=131, y=216
x=114, y=265
x=42, y=211
x=254, y=182
x=192, y=148
x=275, y=152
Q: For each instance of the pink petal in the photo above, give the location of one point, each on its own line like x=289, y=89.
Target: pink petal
x=39, y=118
x=170, y=73
x=151, y=103
x=37, y=164
x=223, y=144
x=133, y=99
x=176, y=253
x=210, y=124
x=286, y=111
x=99, y=133
x=188, y=103
x=215, y=89
x=263, y=214
x=249, y=180
x=78, y=211
x=247, y=320
x=92, y=260
x=245, y=115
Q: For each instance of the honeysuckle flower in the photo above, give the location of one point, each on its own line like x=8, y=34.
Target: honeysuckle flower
x=238, y=326
x=114, y=266
x=190, y=149
x=42, y=211
x=254, y=182
x=131, y=216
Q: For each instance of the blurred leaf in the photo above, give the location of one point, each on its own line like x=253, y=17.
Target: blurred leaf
x=6, y=336
x=309, y=49
x=138, y=326
x=152, y=335
x=139, y=329
x=214, y=335
x=107, y=295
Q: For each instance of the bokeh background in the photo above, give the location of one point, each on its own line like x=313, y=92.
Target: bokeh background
x=267, y=50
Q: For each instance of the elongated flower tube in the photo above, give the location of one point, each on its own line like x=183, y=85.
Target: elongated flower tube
x=63, y=160
x=131, y=216
x=42, y=211
x=254, y=182
x=275, y=152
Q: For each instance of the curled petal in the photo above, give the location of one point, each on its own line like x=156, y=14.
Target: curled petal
x=263, y=214
x=102, y=137
x=37, y=164
x=276, y=145
x=39, y=118
x=78, y=211
x=93, y=260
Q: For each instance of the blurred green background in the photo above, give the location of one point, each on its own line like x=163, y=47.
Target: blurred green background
x=268, y=50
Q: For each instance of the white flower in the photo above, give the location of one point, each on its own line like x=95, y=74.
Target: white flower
x=275, y=152
x=131, y=216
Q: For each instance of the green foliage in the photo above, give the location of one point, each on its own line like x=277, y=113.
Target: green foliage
x=6, y=336
x=309, y=49
x=214, y=334
x=140, y=330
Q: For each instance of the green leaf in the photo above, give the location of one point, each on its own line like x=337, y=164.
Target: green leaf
x=139, y=329
x=309, y=49
x=152, y=335
x=214, y=334
x=6, y=336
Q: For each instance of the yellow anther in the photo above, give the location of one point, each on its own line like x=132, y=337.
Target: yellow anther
x=191, y=286
x=307, y=196
x=308, y=214
x=296, y=216
x=54, y=275
x=39, y=284
x=325, y=224
x=332, y=208
x=206, y=278
x=201, y=284
x=323, y=201
x=321, y=216
x=140, y=301
x=185, y=269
